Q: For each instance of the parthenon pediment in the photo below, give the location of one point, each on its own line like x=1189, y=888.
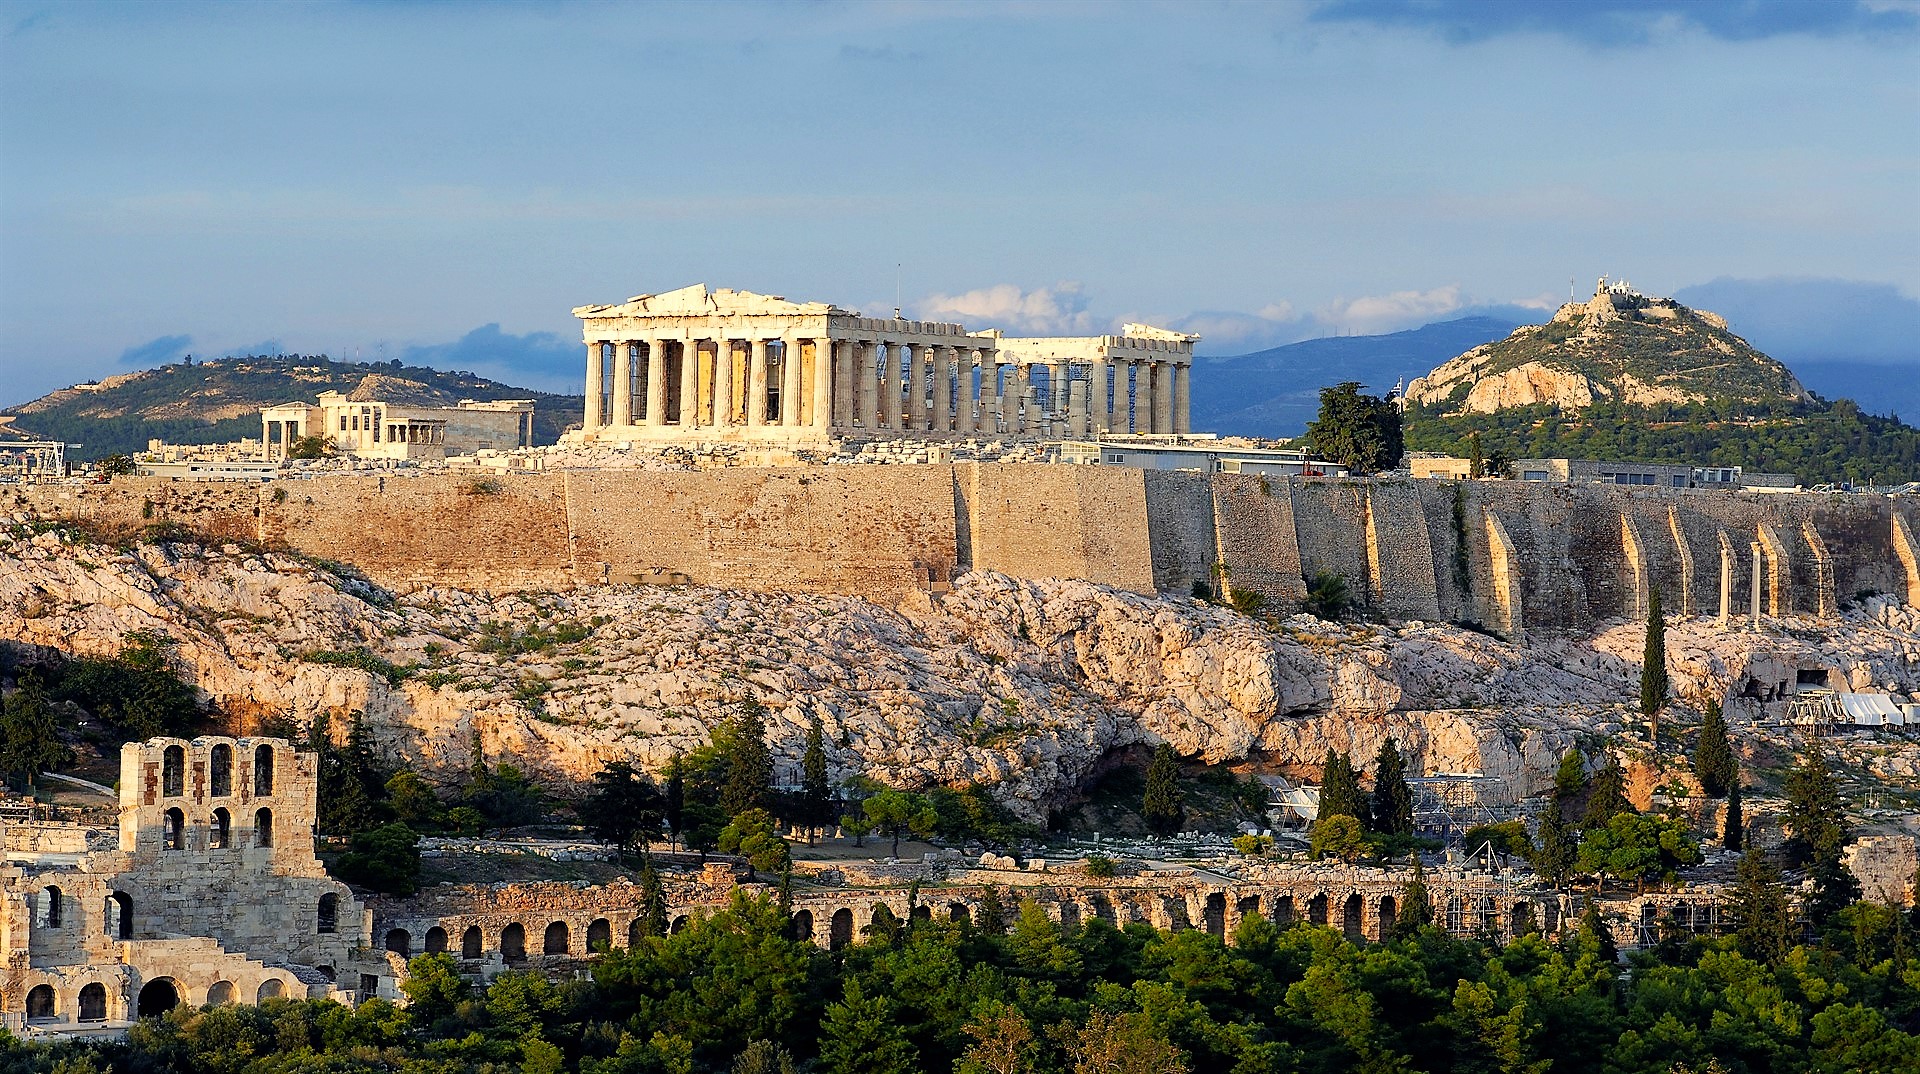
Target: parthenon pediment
x=697, y=301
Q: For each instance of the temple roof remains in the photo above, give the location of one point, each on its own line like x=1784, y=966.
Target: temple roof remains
x=697, y=301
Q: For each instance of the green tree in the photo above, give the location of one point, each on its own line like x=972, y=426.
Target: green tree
x=1653, y=667
x=352, y=781
x=1339, y=788
x=991, y=915
x=1164, y=804
x=742, y=741
x=116, y=465
x=862, y=1035
x=816, y=794
x=1107, y=1043
x=624, y=809
x=653, y=901
x=1814, y=818
x=1339, y=836
x=1328, y=596
x=29, y=739
x=1570, y=781
x=414, y=802
x=895, y=811
x=1762, y=920
x=386, y=859
x=434, y=988
x=1733, y=831
x=1002, y=1040
x=1361, y=432
x=1415, y=911
x=1559, y=844
x=1714, y=764
x=676, y=798
x=310, y=447
x=1636, y=848
x=1834, y=888
x=1507, y=837
x=1608, y=796
x=763, y=1057
x=751, y=835
x=1392, y=800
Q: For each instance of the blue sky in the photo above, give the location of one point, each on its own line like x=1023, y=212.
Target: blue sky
x=447, y=181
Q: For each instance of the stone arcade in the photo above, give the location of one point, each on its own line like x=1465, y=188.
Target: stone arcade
x=699, y=365
x=210, y=894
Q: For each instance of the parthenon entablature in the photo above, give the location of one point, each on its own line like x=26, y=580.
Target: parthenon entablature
x=762, y=368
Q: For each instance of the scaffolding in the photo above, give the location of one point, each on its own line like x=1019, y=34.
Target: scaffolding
x=1445, y=805
x=34, y=460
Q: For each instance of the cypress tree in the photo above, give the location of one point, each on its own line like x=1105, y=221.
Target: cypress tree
x=1733, y=833
x=1416, y=904
x=1164, y=805
x=1714, y=764
x=1339, y=788
x=991, y=918
x=1392, y=799
x=653, y=902
x=1594, y=927
x=1814, y=815
x=1608, y=798
x=816, y=794
x=1653, y=668
x=1559, y=844
x=1762, y=921
x=1571, y=780
x=749, y=780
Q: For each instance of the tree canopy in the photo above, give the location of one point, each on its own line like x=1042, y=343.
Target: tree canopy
x=1358, y=431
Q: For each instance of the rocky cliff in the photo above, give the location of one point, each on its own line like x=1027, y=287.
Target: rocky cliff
x=1027, y=685
x=1618, y=347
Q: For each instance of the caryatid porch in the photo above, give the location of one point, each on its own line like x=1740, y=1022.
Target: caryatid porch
x=695, y=364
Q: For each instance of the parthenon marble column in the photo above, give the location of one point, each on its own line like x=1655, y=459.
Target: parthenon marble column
x=622, y=383
x=790, y=382
x=689, y=383
x=843, y=383
x=596, y=377
x=915, y=369
x=1163, y=397
x=1023, y=387
x=1182, y=399
x=1142, y=398
x=942, y=389
x=823, y=383
x=866, y=375
x=1077, y=409
x=890, y=388
x=757, y=383
x=963, y=411
x=656, y=382
x=1099, y=414
x=723, y=382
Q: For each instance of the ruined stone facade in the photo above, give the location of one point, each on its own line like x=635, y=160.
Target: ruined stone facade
x=208, y=893
x=695, y=365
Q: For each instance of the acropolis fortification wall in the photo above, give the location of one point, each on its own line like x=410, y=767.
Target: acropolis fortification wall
x=1511, y=556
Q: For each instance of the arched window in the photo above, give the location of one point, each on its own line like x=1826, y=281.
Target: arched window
x=40, y=1004
x=173, y=771
x=51, y=907
x=263, y=770
x=471, y=943
x=513, y=943
x=557, y=939
x=220, y=994
x=120, y=915
x=599, y=934
x=176, y=830
x=220, y=832
x=271, y=988
x=329, y=917
x=93, y=1003
x=400, y=942
x=263, y=828
x=436, y=940
x=220, y=771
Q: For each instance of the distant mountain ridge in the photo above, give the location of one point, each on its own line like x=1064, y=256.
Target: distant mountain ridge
x=220, y=400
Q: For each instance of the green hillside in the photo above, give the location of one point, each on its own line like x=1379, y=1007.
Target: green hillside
x=217, y=401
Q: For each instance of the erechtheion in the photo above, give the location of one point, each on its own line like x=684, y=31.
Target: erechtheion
x=700, y=365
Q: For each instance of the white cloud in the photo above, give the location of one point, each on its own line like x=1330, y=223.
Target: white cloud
x=1388, y=313
x=1058, y=310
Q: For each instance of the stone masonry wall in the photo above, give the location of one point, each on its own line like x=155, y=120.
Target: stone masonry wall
x=1257, y=538
x=1049, y=521
x=1180, y=529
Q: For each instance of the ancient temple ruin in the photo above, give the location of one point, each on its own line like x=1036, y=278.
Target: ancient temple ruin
x=208, y=893
x=699, y=365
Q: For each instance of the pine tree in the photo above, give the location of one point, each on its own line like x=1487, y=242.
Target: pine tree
x=1733, y=833
x=29, y=737
x=653, y=902
x=816, y=794
x=1608, y=798
x=1761, y=918
x=1559, y=844
x=1714, y=764
x=743, y=742
x=862, y=1035
x=1339, y=788
x=1571, y=780
x=1814, y=815
x=1392, y=801
x=1653, y=668
x=991, y=917
x=1164, y=805
x=1416, y=904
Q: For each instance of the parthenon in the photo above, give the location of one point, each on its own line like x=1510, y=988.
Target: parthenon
x=695, y=364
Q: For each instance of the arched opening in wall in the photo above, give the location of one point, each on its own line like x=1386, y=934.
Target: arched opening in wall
x=679, y=923
x=1350, y=919
x=220, y=994
x=263, y=828
x=513, y=943
x=93, y=1003
x=220, y=771
x=271, y=988
x=557, y=941
x=176, y=830
x=599, y=935
x=1550, y=917
x=326, y=971
x=840, y=929
x=173, y=771
x=329, y=913
x=1520, y=919
x=1456, y=916
x=1283, y=911
x=40, y=1003
x=1069, y=915
x=957, y=911
x=1176, y=911
x=803, y=926
x=220, y=832
x=925, y=913
x=263, y=770
x=1103, y=908
x=472, y=945
x=634, y=932
x=436, y=941
x=119, y=919
x=157, y=997
x=1317, y=909
x=52, y=907
x=400, y=942
x=1214, y=913
x=1489, y=916
x=1248, y=906
x=1388, y=915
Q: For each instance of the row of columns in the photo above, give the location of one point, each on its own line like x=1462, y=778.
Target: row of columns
x=843, y=384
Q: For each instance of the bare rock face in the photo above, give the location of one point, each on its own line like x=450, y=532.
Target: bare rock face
x=1024, y=685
